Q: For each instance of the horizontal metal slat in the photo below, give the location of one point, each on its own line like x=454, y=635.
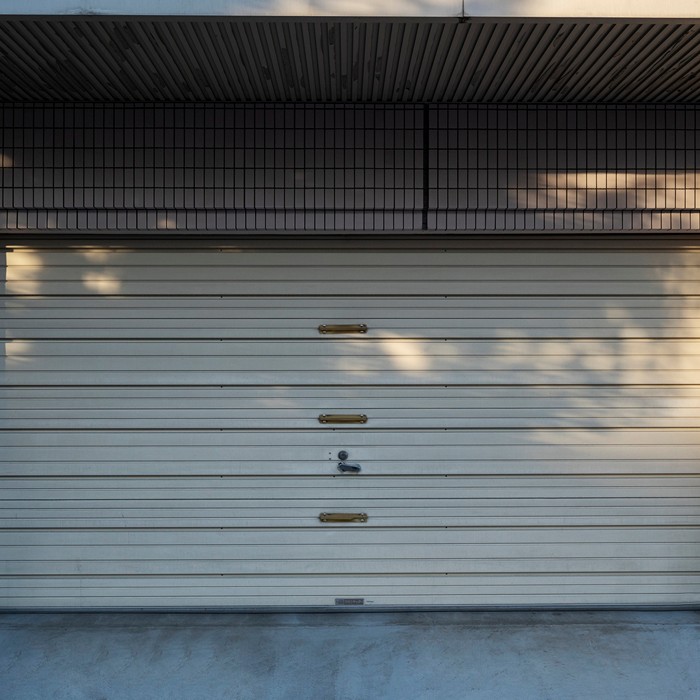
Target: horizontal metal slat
x=453, y=491
x=655, y=251
x=167, y=600
x=319, y=348
x=449, y=253
x=216, y=317
x=162, y=514
x=557, y=563
x=367, y=274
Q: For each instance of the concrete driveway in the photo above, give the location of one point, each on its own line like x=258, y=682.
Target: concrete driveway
x=408, y=656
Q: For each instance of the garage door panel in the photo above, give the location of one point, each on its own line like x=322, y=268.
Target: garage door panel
x=445, y=251
x=485, y=377
x=487, y=596
x=360, y=349
x=380, y=270
x=304, y=517
x=386, y=329
x=418, y=489
x=447, y=399
x=248, y=420
x=243, y=363
x=156, y=516
x=345, y=550
x=322, y=272
x=411, y=600
x=378, y=328
x=410, y=452
x=344, y=585
x=402, y=469
x=111, y=286
x=388, y=567
x=531, y=434
x=464, y=500
x=663, y=503
x=380, y=439
x=260, y=308
x=318, y=444
x=387, y=317
x=356, y=539
x=448, y=251
x=237, y=408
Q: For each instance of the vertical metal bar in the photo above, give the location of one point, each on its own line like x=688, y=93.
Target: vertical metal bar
x=426, y=145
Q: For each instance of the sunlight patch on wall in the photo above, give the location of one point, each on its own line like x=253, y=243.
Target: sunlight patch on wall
x=609, y=189
x=23, y=257
x=101, y=283
x=22, y=268
x=167, y=221
x=17, y=352
x=97, y=256
x=275, y=401
x=404, y=355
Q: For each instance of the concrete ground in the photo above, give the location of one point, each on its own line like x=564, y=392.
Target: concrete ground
x=349, y=656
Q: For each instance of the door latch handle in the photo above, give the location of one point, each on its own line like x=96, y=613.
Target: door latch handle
x=349, y=467
x=343, y=517
x=335, y=328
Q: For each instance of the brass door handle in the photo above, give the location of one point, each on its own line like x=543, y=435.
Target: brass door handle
x=327, y=328
x=343, y=517
x=342, y=418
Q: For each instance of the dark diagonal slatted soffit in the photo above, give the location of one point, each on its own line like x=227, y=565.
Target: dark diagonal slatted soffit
x=120, y=59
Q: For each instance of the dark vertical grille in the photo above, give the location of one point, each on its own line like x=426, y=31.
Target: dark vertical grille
x=217, y=167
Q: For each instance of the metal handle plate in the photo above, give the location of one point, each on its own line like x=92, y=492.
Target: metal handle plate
x=343, y=517
x=342, y=418
x=328, y=328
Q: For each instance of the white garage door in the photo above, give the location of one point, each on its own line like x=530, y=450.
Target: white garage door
x=524, y=416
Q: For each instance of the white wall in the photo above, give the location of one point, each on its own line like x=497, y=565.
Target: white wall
x=362, y=8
